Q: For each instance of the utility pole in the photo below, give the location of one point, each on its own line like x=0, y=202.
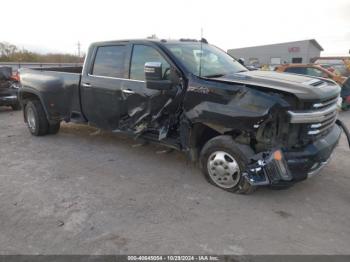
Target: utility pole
x=79, y=45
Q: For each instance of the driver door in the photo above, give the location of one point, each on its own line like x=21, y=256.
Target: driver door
x=143, y=107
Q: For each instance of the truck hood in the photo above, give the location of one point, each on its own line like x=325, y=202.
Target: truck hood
x=303, y=87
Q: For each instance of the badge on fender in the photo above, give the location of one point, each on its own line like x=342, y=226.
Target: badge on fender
x=198, y=89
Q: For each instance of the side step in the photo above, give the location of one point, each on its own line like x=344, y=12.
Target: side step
x=77, y=117
x=167, y=142
x=151, y=137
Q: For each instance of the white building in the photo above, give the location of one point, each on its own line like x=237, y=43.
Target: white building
x=290, y=52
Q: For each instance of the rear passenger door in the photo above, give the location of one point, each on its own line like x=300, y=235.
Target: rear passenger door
x=101, y=86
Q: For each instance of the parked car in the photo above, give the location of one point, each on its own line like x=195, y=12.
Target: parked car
x=319, y=71
x=251, y=68
x=242, y=62
x=330, y=68
x=340, y=64
x=245, y=128
x=8, y=88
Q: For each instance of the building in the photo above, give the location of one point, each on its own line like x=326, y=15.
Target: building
x=290, y=52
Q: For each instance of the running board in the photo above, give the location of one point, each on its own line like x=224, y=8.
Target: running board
x=152, y=137
x=77, y=117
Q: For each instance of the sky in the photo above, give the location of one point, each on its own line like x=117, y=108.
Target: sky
x=58, y=25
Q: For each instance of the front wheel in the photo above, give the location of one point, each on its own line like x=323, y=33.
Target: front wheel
x=223, y=161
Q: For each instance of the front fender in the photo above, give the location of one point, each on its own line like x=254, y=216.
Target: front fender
x=230, y=107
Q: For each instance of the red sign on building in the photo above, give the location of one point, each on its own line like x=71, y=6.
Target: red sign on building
x=294, y=49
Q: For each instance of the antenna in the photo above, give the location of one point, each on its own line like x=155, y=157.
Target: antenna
x=200, y=57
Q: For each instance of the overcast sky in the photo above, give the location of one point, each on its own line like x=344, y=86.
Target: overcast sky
x=57, y=25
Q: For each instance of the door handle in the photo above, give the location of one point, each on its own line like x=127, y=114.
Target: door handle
x=128, y=91
x=86, y=85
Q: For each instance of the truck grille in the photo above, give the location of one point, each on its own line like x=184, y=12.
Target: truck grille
x=319, y=119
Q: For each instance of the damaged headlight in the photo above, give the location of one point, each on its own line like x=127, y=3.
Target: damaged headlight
x=268, y=168
x=278, y=166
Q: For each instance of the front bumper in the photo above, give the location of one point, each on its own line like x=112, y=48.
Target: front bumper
x=295, y=165
x=311, y=159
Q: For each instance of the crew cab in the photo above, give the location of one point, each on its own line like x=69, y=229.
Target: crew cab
x=244, y=128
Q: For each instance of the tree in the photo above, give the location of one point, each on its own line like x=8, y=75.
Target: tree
x=7, y=49
x=11, y=53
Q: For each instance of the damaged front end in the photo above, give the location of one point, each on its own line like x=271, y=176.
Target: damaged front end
x=292, y=162
x=268, y=168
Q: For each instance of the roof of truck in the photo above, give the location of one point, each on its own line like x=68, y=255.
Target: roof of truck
x=173, y=41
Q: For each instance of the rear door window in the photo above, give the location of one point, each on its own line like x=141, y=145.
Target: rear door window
x=110, y=61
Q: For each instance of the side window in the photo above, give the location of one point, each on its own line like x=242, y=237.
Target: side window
x=142, y=54
x=110, y=61
x=296, y=70
x=315, y=72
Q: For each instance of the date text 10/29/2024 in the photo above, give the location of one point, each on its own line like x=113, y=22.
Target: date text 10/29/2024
x=173, y=258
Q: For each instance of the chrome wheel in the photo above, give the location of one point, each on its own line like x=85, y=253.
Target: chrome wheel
x=223, y=169
x=31, y=118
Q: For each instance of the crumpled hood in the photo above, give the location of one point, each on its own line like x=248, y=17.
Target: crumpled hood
x=304, y=87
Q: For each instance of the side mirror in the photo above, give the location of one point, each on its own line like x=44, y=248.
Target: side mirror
x=241, y=61
x=154, y=77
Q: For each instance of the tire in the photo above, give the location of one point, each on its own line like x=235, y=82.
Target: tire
x=54, y=128
x=16, y=106
x=222, y=161
x=35, y=118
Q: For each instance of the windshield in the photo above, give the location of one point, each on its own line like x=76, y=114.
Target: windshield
x=206, y=61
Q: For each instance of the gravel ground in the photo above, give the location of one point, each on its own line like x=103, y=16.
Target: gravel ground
x=85, y=192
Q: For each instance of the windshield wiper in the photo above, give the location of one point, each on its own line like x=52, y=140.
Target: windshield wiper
x=214, y=75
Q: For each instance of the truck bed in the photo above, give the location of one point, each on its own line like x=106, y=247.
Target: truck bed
x=57, y=88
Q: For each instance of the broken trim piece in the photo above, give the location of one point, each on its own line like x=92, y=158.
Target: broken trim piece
x=268, y=168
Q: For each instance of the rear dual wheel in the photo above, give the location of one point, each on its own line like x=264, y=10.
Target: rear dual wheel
x=36, y=120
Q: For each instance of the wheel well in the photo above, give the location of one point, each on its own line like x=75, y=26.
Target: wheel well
x=202, y=133
x=26, y=96
x=199, y=135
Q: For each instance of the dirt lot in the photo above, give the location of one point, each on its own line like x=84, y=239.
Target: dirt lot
x=79, y=192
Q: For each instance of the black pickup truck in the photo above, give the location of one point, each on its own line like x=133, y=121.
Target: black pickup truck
x=245, y=128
